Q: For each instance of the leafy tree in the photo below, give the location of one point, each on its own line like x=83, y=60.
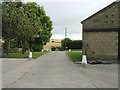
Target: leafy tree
x=16, y=26
x=65, y=43
x=25, y=32
x=0, y=20
x=42, y=25
x=8, y=23
x=25, y=25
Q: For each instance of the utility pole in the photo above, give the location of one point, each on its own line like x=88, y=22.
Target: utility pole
x=65, y=32
x=65, y=38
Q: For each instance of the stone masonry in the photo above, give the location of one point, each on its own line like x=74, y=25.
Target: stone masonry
x=101, y=34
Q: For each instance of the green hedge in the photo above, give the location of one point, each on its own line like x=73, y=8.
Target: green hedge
x=53, y=48
x=77, y=44
x=71, y=44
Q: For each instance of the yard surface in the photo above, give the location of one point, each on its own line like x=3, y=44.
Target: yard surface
x=75, y=55
x=55, y=70
x=20, y=55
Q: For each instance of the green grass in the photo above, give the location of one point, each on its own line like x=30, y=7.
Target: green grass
x=37, y=54
x=75, y=55
x=20, y=55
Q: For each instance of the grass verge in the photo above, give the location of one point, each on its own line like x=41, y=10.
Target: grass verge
x=20, y=55
x=75, y=55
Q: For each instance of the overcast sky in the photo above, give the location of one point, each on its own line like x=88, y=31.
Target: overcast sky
x=69, y=14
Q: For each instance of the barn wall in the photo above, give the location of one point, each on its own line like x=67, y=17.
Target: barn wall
x=107, y=18
x=119, y=32
x=119, y=45
x=103, y=45
x=100, y=34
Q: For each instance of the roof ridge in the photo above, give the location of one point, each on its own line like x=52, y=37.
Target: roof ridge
x=117, y=1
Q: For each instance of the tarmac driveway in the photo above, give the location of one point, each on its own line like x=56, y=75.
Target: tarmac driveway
x=55, y=70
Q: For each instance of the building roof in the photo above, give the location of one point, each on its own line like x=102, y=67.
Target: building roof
x=117, y=0
x=112, y=4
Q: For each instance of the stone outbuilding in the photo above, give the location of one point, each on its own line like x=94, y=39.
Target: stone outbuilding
x=101, y=33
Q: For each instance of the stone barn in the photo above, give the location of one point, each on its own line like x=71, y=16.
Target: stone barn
x=101, y=34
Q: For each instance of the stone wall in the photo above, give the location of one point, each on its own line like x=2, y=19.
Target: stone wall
x=100, y=33
x=102, y=45
x=107, y=18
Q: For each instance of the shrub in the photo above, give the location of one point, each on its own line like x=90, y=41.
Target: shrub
x=37, y=48
x=59, y=49
x=53, y=48
x=65, y=43
x=15, y=50
x=69, y=44
x=76, y=44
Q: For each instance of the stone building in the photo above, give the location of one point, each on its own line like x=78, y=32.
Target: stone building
x=101, y=33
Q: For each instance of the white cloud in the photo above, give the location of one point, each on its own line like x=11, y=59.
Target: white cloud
x=83, y=1
x=69, y=13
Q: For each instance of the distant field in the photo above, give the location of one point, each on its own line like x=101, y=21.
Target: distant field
x=19, y=55
x=75, y=55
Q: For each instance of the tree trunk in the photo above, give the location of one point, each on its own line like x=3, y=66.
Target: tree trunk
x=23, y=51
x=6, y=47
x=23, y=47
x=31, y=48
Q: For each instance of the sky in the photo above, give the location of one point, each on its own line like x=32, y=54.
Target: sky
x=69, y=14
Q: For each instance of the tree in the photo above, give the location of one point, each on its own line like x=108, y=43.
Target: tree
x=25, y=32
x=65, y=43
x=24, y=25
x=8, y=23
x=42, y=25
x=0, y=20
x=16, y=25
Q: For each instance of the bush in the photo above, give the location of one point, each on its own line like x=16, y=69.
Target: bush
x=59, y=49
x=15, y=50
x=69, y=44
x=53, y=48
x=65, y=43
x=37, y=48
x=76, y=44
